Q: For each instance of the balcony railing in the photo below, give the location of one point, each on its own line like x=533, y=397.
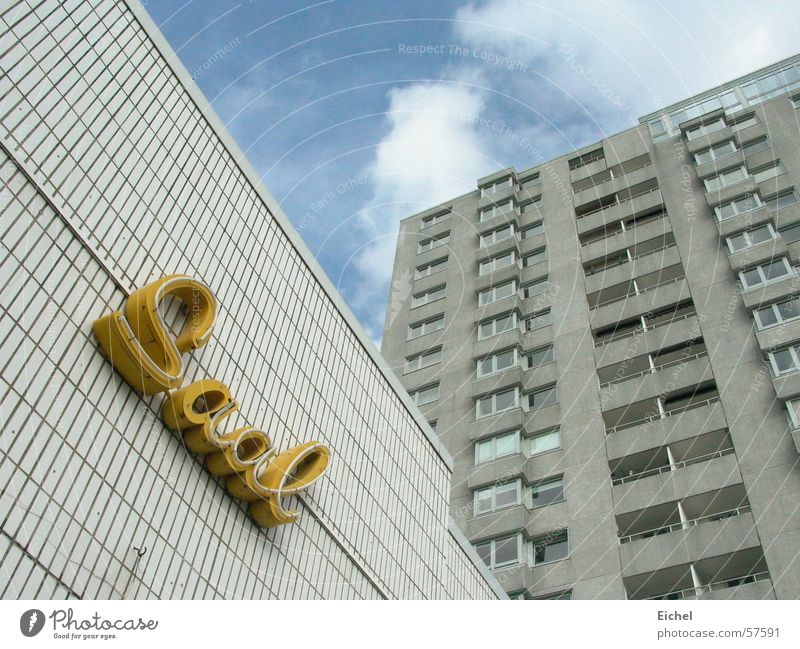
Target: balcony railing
x=661, y=415
x=666, y=529
x=660, y=216
x=714, y=586
x=622, y=175
x=634, y=332
x=627, y=260
x=671, y=467
x=617, y=202
x=653, y=370
x=619, y=298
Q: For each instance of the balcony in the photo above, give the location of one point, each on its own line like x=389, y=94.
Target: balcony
x=617, y=183
x=757, y=254
x=498, y=221
x=497, y=381
x=771, y=291
x=589, y=168
x=497, y=277
x=715, y=166
x=488, y=473
x=641, y=262
x=601, y=241
x=726, y=576
x=743, y=221
x=718, y=472
x=655, y=297
x=503, y=340
x=542, y=418
x=712, y=139
x=678, y=427
x=487, y=426
x=787, y=386
x=647, y=201
x=497, y=523
x=729, y=192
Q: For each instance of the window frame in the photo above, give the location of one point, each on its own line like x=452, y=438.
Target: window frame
x=493, y=234
x=712, y=149
x=496, y=210
x=420, y=357
x=536, y=315
x=553, y=387
x=722, y=175
x=734, y=202
x=443, y=260
x=539, y=251
x=793, y=412
x=493, y=261
x=537, y=225
x=493, y=357
x=515, y=325
x=439, y=241
x=493, y=396
x=544, y=483
x=703, y=129
x=543, y=540
x=553, y=431
x=435, y=219
x=440, y=291
x=762, y=273
x=763, y=138
x=794, y=352
x=422, y=323
x=776, y=312
x=492, y=543
x=425, y=388
x=542, y=281
x=492, y=293
x=516, y=484
x=496, y=186
x=546, y=348
x=775, y=164
x=492, y=441
x=748, y=237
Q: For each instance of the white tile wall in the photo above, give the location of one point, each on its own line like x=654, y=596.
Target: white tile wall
x=121, y=162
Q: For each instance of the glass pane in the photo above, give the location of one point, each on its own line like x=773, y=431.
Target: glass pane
x=789, y=310
x=505, y=400
x=543, y=398
x=767, y=317
x=791, y=234
x=506, y=551
x=548, y=492
x=738, y=242
x=775, y=269
x=505, y=324
x=751, y=277
x=703, y=157
x=540, y=357
x=783, y=360
x=483, y=451
x=506, y=444
x=484, y=366
x=760, y=234
x=552, y=551
x=485, y=552
x=485, y=406
x=505, y=495
x=546, y=442
x=483, y=501
x=755, y=146
x=505, y=360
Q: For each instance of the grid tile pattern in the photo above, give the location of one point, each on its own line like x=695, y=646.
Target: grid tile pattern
x=116, y=149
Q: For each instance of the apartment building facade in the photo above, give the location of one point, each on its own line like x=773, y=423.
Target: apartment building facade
x=114, y=172
x=608, y=344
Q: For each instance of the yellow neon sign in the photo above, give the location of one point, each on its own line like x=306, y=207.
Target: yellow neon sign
x=140, y=346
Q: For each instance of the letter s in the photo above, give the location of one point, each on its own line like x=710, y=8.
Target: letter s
x=139, y=344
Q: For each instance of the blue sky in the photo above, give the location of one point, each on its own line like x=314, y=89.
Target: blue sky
x=358, y=113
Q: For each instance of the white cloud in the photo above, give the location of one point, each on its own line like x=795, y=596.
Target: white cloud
x=432, y=151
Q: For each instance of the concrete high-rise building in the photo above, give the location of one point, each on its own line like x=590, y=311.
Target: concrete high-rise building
x=115, y=172
x=608, y=343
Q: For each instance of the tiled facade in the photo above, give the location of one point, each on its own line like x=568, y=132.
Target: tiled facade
x=615, y=359
x=113, y=174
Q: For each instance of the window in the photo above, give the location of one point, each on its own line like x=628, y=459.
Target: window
x=750, y=238
x=432, y=268
x=495, y=447
x=777, y=313
x=543, y=397
x=537, y=256
x=497, y=263
x=547, y=492
x=497, y=326
x=740, y=205
x=497, y=497
x=793, y=410
x=796, y=102
x=496, y=210
x=784, y=199
x=531, y=206
x=537, y=287
x=769, y=171
x=715, y=152
x=754, y=146
x=433, y=219
x=421, y=328
x=725, y=178
x=530, y=181
x=532, y=230
x=552, y=547
x=785, y=360
x=705, y=129
x=501, y=552
x=498, y=402
x=426, y=395
x=428, y=296
x=744, y=122
x=790, y=233
x=540, y=356
x=433, y=424
x=499, y=292
x=425, y=359
x=497, y=362
x=563, y=594
x=544, y=442
x=766, y=272
x=501, y=234
x=539, y=320
x=493, y=188
x=434, y=242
